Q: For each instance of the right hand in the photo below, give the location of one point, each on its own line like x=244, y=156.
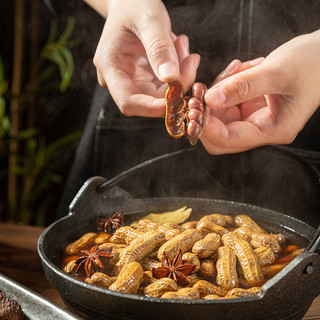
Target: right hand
x=138, y=53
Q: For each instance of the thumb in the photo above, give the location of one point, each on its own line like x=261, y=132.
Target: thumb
x=161, y=51
x=240, y=87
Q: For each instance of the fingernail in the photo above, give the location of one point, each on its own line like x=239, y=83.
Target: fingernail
x=167, y=70
x=231, y=67
x=215, y=97
x=185, y=41
x=256, y=61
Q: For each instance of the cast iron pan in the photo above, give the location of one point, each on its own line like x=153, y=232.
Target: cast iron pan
x=286, y=296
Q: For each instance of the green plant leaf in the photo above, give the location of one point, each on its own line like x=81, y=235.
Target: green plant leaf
x=19, y=170
x=58, y=59
x=67, y=73
x=27, y=133
x=53, y=31
x=6, y=123
x=68, y=31
x=55, y=146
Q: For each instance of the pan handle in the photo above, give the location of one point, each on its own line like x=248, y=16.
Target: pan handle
x=123, y=175
x=315, y=242
x=86, y=202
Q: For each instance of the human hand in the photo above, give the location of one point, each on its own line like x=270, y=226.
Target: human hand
x=264, y=101
x=138, y=52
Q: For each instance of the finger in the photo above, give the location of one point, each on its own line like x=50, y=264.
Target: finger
x=233, y=67
x=173, y=36
x=252, y=63
x=182, y=47
x=189, y=67
x=157, y=41
x=127, y=95
x=189, y=63
x=237, y=136
x=101, y=80
x=236, y=66
x=242, y=86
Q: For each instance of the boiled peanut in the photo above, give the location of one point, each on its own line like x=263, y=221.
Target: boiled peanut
x=265, y=255
x=81, y=243
x=245, y=221
x=117, y=240
x=183, y=241
x=169, y=230
x=148, y=278
x=148, y=263
x=279, y=237
x=159, y=287
x=205, y=247
x=67, y=259
x=173, y=226
x=265, y=240
x=190, y=258
x=205, y=287
x=127, y=234
x=272, y=270
x=102, y=238
x=185, y=293
x=290, y=248
x=129, y=278
x=290, y=256
x=244, y=233
x=114, y=246
x=240, y=292
x=71, y=267
x=141, y=247
x=207, y=268
x=247, y=258
x=190, y=225
x=193, y=278
x=227, y=277
x=147, y=225
x=219, y=219
x=100, y=279
x=211, y=227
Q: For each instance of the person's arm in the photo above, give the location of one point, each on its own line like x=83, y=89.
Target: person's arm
x=266, y=104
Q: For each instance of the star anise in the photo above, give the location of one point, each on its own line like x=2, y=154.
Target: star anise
x=174, y=269
x=91, y=259
x=112, y=223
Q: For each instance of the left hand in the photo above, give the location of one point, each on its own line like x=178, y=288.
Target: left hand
x=267, y=103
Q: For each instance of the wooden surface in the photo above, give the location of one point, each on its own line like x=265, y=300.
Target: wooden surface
x=19, y=261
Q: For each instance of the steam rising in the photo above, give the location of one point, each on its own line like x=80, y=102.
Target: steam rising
x=223, y=30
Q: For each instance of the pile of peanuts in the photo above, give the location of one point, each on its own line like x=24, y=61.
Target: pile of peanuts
x=234, y=257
